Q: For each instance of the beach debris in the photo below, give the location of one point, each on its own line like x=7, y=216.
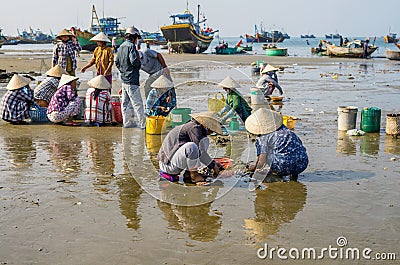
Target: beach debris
x=393, y=159
x=355, y=132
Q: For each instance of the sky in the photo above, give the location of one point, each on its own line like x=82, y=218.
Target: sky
x=233, y=18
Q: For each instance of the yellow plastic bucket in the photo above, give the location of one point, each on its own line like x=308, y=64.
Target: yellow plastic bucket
x=289, y=121
x=156, y=125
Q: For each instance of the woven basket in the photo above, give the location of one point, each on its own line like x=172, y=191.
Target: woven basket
x=393, y=124
x=216, y=104
x=38, y=114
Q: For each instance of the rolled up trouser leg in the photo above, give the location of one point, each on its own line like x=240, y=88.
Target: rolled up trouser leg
x=185, y=158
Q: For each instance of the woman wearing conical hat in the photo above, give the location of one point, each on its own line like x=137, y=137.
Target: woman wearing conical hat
x=64, y=51
x=280, y=152
x=103, y=57
x=269, y=80
x=98, y=102
x=235, y=103
x=185, y=148
x=162, y=98
x=15, y=104
x=46, y=89
x=65, y=103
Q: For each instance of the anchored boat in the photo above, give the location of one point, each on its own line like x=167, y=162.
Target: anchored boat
x=108, y=25
x=353, y=49
x=185, y=34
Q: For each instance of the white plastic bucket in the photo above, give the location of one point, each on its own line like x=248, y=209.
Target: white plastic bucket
x=347, y=117
x=257, y=96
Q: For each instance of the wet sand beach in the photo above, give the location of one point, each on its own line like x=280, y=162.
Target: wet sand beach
x=90, y=195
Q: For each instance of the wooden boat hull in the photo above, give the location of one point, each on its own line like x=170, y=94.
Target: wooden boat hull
x=88, y=45
x=276, y=52
x=335, y=51
x=184, y=38
x=392, y=55
x=318, y=51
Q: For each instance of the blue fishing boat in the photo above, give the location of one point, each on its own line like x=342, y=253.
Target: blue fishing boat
x=263, y=36
x=307, y=36
x=153, y=38
x=185, y=34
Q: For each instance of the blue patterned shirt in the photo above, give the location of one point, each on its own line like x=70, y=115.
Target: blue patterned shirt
x=286, y=154
x=15, y=104
x=155, y=100
x=63, y=50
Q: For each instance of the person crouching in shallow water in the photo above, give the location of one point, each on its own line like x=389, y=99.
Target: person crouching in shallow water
x=46, y=89
x=185, y=148
x=65, y=103
x=280, y=152
x=162, y=98
x=235, y=103
x=103, y=57
x=98, y=102
x=17, y=100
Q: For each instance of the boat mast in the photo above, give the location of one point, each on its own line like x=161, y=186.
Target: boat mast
x=198, y=15
x=95, y=17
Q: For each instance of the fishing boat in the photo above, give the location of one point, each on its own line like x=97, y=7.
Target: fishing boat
x=273, y=50
x=185, y=34
x=107, y=25
x=34, y=37
x=307, y=36
x=353, y=49
x=392, y=55
x=226, y=50
x=153, y=38
x=318, y=51
x=332, y=36
x=241, y=48
x=390, y=38
x=262, y=36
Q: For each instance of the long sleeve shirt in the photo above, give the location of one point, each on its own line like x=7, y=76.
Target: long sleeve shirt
x=235, y=104
x=103, y=58
x=263, y=84
x=128, y=63
x=178, y=136
x=15, y=104
x=61, y=98
x=158, y=99
x=63, y=50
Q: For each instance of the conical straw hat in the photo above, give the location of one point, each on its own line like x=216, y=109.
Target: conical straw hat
x=56, y=71
x=269, y=68
x=263, y=121
x=99, y=82
x=162, y=82
x=64, y=32
x=228, y=82
x=209, y=120
x=101, y=37
x=17, y=82
x=65, y=79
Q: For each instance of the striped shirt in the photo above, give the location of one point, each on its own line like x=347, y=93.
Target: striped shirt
x=99, y=109
x=15, y=104
x=63, y=50
x=46, y=89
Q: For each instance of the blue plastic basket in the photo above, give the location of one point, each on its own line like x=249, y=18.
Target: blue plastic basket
x=38, y=114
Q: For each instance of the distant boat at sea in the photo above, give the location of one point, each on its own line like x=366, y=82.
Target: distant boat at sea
x=307, y=36
x=185, y=34
x=153, y=38
x=263, y=36
x=107, y=25
x=332, y=36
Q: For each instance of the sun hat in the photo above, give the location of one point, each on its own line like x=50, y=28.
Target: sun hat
x=99, y=82
x=17, y=82
x=64, y=32
x=209, y=120
x=65, y=79
x=228, y=82
x=100, y=37
x=263, y=121
x=162, y=82
x=132, y=30
x=56, y=71
x=269, y=68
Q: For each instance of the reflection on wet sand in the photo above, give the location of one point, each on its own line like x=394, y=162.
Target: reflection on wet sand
x=20, y=148
x=275, y=206
x=392, y=145
x=198, y=221
x=345, y=144
x=129, y=199
x=369, y=143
